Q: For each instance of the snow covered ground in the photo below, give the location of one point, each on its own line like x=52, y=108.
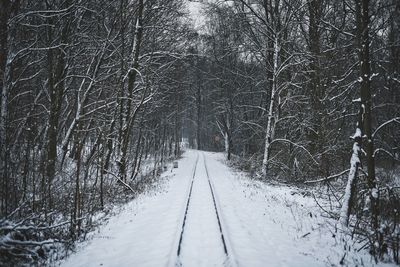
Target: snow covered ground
x=262, y=225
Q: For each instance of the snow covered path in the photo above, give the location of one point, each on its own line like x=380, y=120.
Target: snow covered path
x=262, y=225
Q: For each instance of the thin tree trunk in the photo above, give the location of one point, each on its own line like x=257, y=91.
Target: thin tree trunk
x=5, y=79
x=349, y=195
x=132, y=74
x=4, y=146
x=137, y=150
x=317, y=134
x=198, y=119
x=270, y=129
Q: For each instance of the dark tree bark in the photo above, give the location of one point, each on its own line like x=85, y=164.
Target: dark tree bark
x=132, y=74
x=8, y=9
x=198, y=116
x=56, y=71
x=366, y=105
x=317, y=92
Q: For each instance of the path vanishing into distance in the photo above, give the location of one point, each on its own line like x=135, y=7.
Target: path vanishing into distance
x=205, y=214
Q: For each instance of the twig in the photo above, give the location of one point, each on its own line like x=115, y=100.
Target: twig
x=327, y=178
x=119, y=179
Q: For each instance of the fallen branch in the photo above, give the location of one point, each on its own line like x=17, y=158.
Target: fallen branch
x=32, y=227
x=9, y=241
x=327, y=178
x=122, y=182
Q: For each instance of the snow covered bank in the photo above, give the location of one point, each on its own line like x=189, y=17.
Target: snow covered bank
x=272, y=225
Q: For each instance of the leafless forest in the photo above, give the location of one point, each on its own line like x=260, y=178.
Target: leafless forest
x=97, y=96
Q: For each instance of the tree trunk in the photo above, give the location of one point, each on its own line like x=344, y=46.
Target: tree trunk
x=366, y=103
x=270, y=129
x=364, y=129
x=198, y=118
x=6, y=81
x=56, y=91
x=129, y=119
x=316, y=135
x=349, y=195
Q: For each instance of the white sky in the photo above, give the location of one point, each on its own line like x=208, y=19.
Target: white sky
x=196, y=16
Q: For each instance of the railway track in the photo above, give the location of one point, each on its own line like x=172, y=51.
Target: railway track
x=177, y=250
x=215, y=207
x=187, y=208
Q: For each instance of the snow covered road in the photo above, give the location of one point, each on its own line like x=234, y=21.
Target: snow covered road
x=230, y=221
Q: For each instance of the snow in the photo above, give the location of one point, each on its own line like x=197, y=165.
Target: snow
x=375, y=193
x=373, y=76
x=357, y=133
x=201, y=228
x=271, y=225
x=195, y=11
x=354, y=161
x=263, y=224
x=145, y=232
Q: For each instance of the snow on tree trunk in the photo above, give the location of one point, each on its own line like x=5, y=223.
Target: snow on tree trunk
x=270, y=129
x=366, y=101
x=4, y=104
x=351, y=181
x=4, y=146
x=226, y=139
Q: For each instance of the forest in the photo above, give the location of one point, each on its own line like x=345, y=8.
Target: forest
x=98, y=96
